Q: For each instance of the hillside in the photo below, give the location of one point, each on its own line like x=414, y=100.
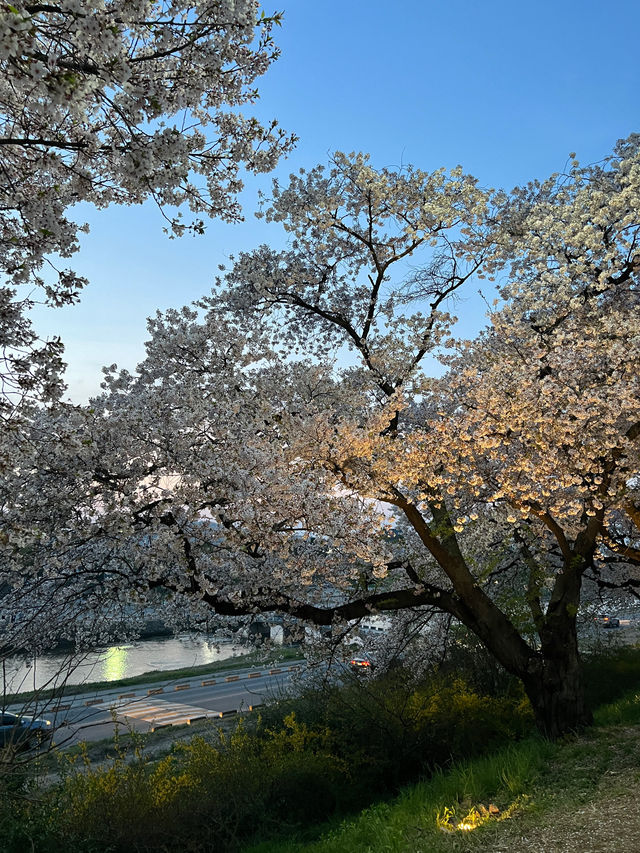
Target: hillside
x=578, y=795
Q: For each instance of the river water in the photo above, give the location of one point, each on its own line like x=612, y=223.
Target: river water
x=22, y=673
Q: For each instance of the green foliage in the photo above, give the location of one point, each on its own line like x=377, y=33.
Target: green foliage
x=611, y=675
x=417, y=818
x=321, y=756
x=393, y=729
x=326, y=753
x=625, y=711
x=468, y=657
x=613, y=687
x=203, y=796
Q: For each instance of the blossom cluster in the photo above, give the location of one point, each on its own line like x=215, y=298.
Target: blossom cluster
x=250, y=465
x=120, y=102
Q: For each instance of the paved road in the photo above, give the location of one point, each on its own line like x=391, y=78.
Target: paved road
x=149, y=707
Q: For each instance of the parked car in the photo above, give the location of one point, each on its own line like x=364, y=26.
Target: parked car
x=23, y=732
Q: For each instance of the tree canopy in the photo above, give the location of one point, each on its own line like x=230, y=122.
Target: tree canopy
x=116, y=102
x=285, y=446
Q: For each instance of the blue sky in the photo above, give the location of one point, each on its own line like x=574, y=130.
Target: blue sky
x=505, y=89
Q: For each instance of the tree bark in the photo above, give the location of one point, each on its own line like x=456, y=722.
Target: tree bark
x=555, y=688
x=555, y=684
x=552, y=675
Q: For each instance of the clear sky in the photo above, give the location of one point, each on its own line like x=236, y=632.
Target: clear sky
x=505, y=89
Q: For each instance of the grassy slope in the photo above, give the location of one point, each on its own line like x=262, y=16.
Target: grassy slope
x=579, y=795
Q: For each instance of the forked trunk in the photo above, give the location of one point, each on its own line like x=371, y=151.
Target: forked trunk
x=555, y=688
x=552, y=675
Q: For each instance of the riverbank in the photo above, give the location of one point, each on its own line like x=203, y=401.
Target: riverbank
x=154, y=676
x=295, y=778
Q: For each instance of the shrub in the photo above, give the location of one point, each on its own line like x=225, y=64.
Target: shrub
x=609, y=676
x=392, y=730
x=326, y=752
x=202, y=796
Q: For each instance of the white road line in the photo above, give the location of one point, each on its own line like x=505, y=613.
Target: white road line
x=160, y=713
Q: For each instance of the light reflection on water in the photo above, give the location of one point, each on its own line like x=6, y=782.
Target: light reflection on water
x=115, y=662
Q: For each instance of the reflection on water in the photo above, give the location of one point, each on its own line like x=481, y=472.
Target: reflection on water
x=110, y=664
x=115, y=663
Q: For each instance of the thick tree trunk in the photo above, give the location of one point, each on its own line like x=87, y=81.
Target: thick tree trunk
x=555, y=681
x=555, y=687
x=552, y=675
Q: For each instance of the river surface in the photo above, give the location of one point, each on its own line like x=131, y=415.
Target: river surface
x=114, y=662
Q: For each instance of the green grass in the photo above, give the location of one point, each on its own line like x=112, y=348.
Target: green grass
x=499, y=788
x=625, y=711
x=611, y=675
x=516, y=791
x=536, y=786
x=430, y=809
x=237, y=662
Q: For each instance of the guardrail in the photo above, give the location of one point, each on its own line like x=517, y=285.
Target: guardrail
x=206, y=682
x=153, y=691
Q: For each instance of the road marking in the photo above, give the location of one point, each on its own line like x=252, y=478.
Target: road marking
x=161, y=713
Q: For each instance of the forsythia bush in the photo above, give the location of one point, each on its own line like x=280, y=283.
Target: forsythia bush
x=335, y=752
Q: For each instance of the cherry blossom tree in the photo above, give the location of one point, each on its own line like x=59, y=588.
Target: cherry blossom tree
x=114, y=102
x=285, y=447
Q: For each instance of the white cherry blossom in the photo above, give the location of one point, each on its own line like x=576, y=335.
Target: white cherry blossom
x=283, y=448
x=116, y=103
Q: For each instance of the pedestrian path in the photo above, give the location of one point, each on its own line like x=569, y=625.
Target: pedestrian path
x=161, y=713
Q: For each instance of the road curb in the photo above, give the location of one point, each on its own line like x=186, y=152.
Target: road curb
x=152, y=691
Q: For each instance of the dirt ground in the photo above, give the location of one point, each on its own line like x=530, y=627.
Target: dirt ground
x=610, y=823
x=595, y=807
